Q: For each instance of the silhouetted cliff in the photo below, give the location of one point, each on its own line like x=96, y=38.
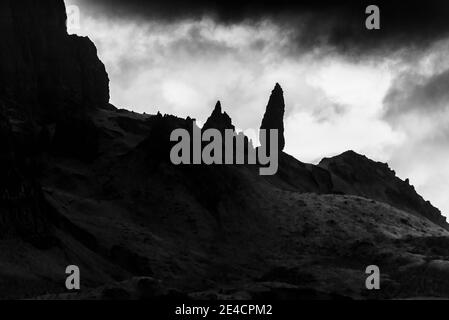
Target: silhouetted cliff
x=355, y=174
x=44, y=70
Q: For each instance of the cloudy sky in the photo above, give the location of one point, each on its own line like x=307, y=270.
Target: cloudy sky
x=383, y=93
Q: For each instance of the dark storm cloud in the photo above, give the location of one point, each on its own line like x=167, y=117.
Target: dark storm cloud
x=416, y=93
x=339, y=24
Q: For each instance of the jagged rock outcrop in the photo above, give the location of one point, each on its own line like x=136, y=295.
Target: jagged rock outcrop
x=43, y=70
x=274, y=114
x=219, y=120
x=355, y=174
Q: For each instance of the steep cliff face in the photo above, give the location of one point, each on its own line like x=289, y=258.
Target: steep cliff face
x=42, y=68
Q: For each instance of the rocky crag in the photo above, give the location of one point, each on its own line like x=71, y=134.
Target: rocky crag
x=274, y=115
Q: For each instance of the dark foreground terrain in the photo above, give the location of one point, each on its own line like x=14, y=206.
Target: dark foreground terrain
x=84, y=183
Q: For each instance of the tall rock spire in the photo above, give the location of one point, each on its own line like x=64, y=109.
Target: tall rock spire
x=274, y=115
x=219, y=120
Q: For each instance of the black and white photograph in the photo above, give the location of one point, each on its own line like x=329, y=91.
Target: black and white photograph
x=254, y=151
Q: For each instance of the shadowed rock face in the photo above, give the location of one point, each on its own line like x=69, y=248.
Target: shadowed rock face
x=355, y=174
x=22, y=207
x=41, y=66
x=274, y=115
